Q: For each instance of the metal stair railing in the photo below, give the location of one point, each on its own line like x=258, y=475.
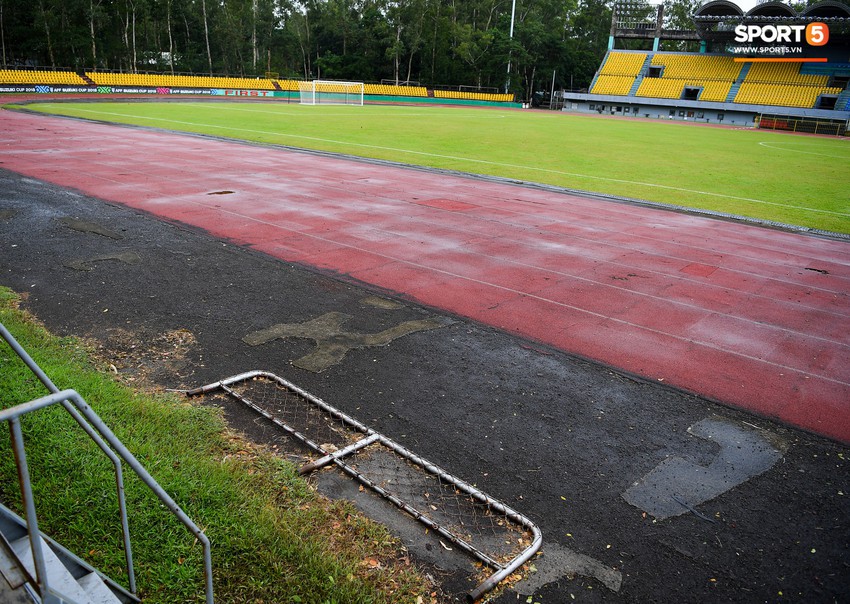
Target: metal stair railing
x=112, y=447
x=116, y=462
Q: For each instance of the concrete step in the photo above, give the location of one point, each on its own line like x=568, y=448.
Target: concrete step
x=90, y=589
x=13, y=529
x=97, y=590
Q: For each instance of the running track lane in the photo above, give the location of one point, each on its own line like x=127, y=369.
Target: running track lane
x=754, y=318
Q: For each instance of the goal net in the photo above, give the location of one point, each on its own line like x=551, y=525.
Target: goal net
x=327, y=92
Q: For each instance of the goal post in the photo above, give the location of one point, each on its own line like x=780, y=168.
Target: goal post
x=331, y=92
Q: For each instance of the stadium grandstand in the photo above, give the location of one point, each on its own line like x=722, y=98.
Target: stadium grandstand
x=101, y=82
x=189, y=81
x=740, y=74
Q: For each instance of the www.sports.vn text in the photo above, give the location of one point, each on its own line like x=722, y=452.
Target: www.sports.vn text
x=767, y=50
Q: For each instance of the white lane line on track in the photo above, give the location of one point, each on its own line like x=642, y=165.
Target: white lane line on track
x=524, y=294
x=471, y=160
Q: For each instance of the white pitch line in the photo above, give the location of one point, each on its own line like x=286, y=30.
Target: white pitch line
x=773, y=146
x=398, y=111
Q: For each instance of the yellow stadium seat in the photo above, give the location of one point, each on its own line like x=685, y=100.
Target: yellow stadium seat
x=26, y=76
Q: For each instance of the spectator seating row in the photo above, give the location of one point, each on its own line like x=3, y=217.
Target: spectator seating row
x=473, y=96
x=291, y=85
x=623, y=64
x=615, y=84
x=185, y=81
x=785, y=95
x=697, y=67
x=785, y=73
x=663, y=88
x=392, y=90
x=669, y=74
x=29, y=77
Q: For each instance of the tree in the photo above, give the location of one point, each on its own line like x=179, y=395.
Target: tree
x=206, y=34
x=540, y=33
x=435, y=42
x=131, y=8
x=587, y=39
x=47, y=19
x=414, y=14
x=300, y=26
x=3, y=33
x=678, y=15
x=94, y=15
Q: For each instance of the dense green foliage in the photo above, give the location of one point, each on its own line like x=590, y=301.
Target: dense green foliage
x=434, y=42
x=767, y=175
x=273, y=539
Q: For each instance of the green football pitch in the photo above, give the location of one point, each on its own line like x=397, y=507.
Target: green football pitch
x=780, y=177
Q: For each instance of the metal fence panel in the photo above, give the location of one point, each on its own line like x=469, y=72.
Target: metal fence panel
x=480, y=525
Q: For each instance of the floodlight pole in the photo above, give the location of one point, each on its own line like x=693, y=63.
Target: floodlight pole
x=510, y=38
x=552, y=93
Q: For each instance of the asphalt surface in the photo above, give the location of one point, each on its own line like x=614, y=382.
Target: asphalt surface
x=763, y=513
x=751, y=317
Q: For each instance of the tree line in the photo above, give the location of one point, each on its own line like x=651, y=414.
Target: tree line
x=483, y=44
x=431, y=42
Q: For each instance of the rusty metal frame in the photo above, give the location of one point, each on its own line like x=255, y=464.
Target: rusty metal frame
x=371, y=437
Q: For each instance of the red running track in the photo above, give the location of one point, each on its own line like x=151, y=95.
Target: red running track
x=755, y=318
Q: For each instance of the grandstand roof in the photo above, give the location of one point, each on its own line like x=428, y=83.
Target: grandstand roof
x=715, y=19
x=826, y=10
x=719, y=8
x=771, y=9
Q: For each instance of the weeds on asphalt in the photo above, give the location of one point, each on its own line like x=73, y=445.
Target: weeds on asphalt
x=274, y=540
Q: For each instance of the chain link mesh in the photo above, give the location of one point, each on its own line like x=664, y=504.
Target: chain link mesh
x=461, y=514
x=456, y=510
x=327, y=431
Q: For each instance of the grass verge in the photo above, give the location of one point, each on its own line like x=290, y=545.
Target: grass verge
x=274, y=540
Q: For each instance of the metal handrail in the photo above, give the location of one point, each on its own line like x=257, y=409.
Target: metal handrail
x=116, y=462
x=85, y=416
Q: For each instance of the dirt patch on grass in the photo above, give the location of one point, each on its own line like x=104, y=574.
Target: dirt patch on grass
x=142, y=359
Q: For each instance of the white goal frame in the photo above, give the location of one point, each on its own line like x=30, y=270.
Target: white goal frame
x=331, y=92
